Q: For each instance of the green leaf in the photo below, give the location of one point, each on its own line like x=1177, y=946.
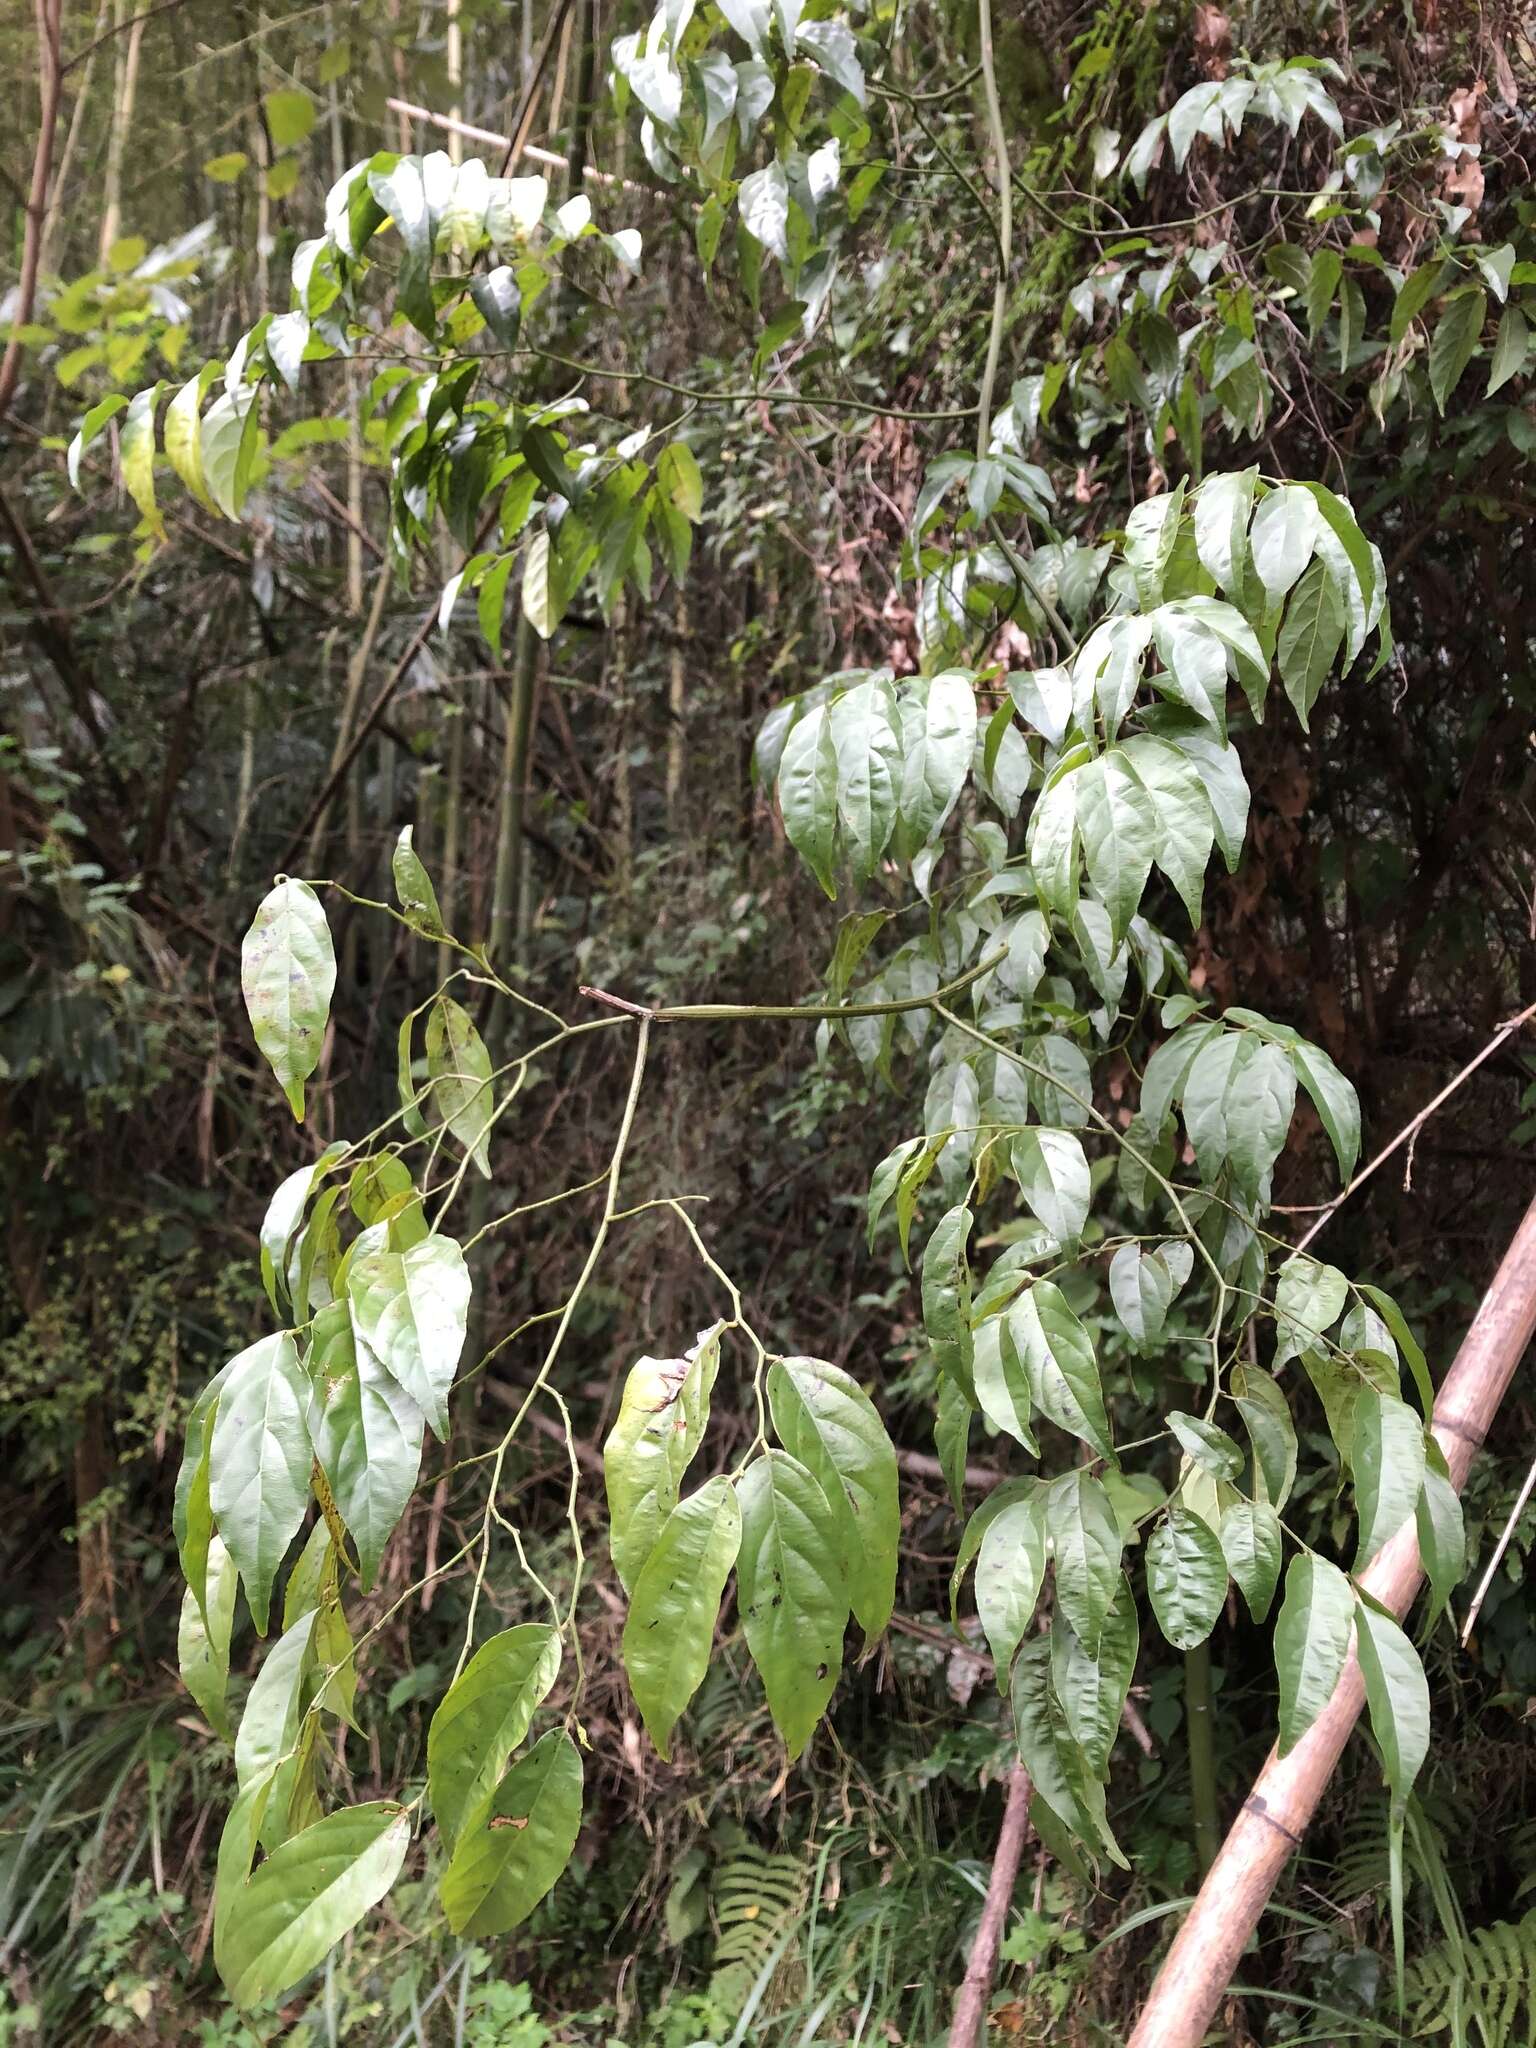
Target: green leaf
x=1002, y=1496
x=202, y=1646
x=1407, y=1343
x=1251, y=1543
x=952, y=1438
x=499, y=303
x=1509, y=350
x=1118, y=827
x=938, y=745
x=946, y=1280
x=660, y=1425
x=1310, y=639
x=491, y=602
x=1223, y=506
x=1195, y=665
x=1211, y=1448
x=183, y=438
x=677, y=472
x=1010, y=1570
x=287, y=1917
x=1267, y=1418
x=90, y=426
x=833, y=45
x=676, y=1601
x=290, y=117
x=1053, y=1178
x=868, y=764
x=1086, y=1545
x=1456, y=335
x=411, y=1309
x=1002, y=1387
x=1221, y=774
x=191, y=1512
x=1061, y=1773
x=270, y=1721
x=1053, y=838
x=763, y=198
x=413, y=887
x=1397, y=1694
x=1142, y=1286
x=288, y=973
x=1237, y=1108
x=914, y=1178
x=459, y=1067
x=514, y=1847
x=136, y=458
x=793, y=1591
x=884, y=1181
x=1442, y=1534
x=825, y=1419
x=1183, y=819
x=808, y=793
x=228, y=440
x=1062, y=1370
x=1334, y=1099
x=1309, y=1299
x=483, y=1717
x=1415, y=294
x=1152, y=529
x=545, y=456
x=1169, y=1068
x=1093, y=1690
x=1386, y=1458
x=1284, y=531
x=259, y=1462
x=405, y=1081
x=367, y=1434
x=538, y=599
x=1186, y=1577
x=1311, y=1642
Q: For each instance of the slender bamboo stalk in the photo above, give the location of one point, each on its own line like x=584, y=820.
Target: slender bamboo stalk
x=1199, y=1966
x=1202, y=1755
x=117, y=136
x=47, y=12
x=676, y=705
x=344, y=751
x=72, y=134
x=506, y=895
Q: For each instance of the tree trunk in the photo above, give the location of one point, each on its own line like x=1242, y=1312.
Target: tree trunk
x=1199, y=1966
x=971, y=2005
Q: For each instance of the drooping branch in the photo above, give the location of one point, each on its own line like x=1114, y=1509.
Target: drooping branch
x=48, y=13
x=1199, y=1966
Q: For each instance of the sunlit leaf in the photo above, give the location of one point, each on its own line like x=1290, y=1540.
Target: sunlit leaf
x=288, y=973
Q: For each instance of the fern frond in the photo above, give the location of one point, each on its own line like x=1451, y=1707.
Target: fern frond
x=1489, y=1981
x=758, y=1898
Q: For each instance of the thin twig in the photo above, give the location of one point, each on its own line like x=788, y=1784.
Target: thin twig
x=1498, y=1556
x=723, y=1013
x=1411, y=1128
x=552, y=157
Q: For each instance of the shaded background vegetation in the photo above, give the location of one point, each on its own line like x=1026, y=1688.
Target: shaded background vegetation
x=170, y=715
